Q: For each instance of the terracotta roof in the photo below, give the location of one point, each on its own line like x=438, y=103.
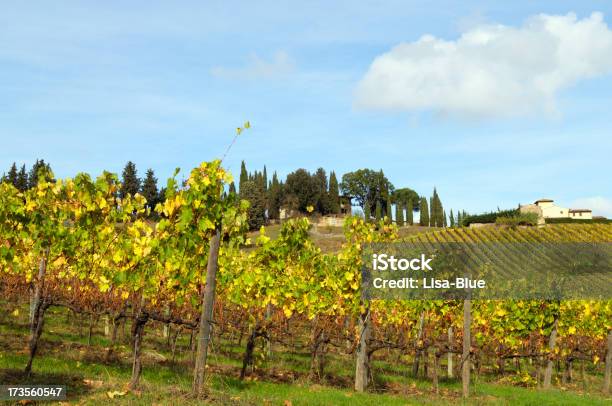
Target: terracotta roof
x=580, y=210
x=544, y=201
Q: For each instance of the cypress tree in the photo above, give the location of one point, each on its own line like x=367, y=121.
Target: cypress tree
x=444, y=223
x=130, y=183
x=22, y=179
x=366, y=212
x=433, y=210
x=452, y=219
x=275, y=197
x=438, y=217
x=149, y=189
x=39, y=168
x=378, y=211
x=333, y=195
x=12, y=175
x=424, y=210
x=409, y=212
x=432, y=219
x=265, y=179
x=232, y=188
x=399, y=214
x=244, y=176
x=320, y=180
x=388, y=208
x=459, y=219
x=252, y=192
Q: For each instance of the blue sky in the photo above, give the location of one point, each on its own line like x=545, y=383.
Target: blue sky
x=89, y=86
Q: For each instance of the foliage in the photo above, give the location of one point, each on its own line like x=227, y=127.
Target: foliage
x=405, y=195
x=149, y=190
x=323, y=204
x=410, y=211
x=130, y=183
x=521, y=219
x=275, y=197
x=334, y=196
x=436, y=214
x=367, y=187
x=399, y=214
x=488, y=217
x=40, y=171
x=303, y=187
x=254, y=194
x=595, y=220
x=424, y=216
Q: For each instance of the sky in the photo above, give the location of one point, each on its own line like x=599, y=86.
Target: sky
x=493, y=103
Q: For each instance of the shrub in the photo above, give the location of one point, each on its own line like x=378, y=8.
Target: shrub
x=521, y=219
x=489, y=217
x=578, y=221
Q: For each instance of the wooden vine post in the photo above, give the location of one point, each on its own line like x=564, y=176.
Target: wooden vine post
x=206, y=316
x=465, y=359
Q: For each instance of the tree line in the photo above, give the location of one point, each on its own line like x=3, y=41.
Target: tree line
x=301, y=192
x=24, y=179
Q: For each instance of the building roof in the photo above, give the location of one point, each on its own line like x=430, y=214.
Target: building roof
x=544, y=201
x=580, y=210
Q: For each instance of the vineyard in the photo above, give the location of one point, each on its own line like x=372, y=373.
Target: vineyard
x=194, y=281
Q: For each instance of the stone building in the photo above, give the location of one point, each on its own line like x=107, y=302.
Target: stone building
x=546, y=209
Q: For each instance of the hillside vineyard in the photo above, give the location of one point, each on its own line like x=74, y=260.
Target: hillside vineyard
x=73, y=243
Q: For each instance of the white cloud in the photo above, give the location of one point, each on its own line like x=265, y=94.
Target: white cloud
x=601, y=206
x=258, y=68
x=490, y=70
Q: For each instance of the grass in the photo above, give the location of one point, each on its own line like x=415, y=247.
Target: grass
x=66, y=358
x=330, y=238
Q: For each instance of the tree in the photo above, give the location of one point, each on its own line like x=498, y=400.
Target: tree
x=320, y=180
x=302, y=186
x=244, y=176
x=253, y=192
x=399, y=214
x=12, y=175
x=22, y=179
x=334, y=196
x=388, y=215
x=436, y=210
x=367, y=215
x=149, y=189
x=444, y=223
x=431, y=220
x=378, y=211
x=130, y=183
x=424, y=218
x=404, y=195
x=409, y=212
x=38, y=169
x=232, y=188
x=452, y=218
x=275, y=197
x=366, y=185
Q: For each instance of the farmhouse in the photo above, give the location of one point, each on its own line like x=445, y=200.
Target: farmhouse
x=547, y=209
